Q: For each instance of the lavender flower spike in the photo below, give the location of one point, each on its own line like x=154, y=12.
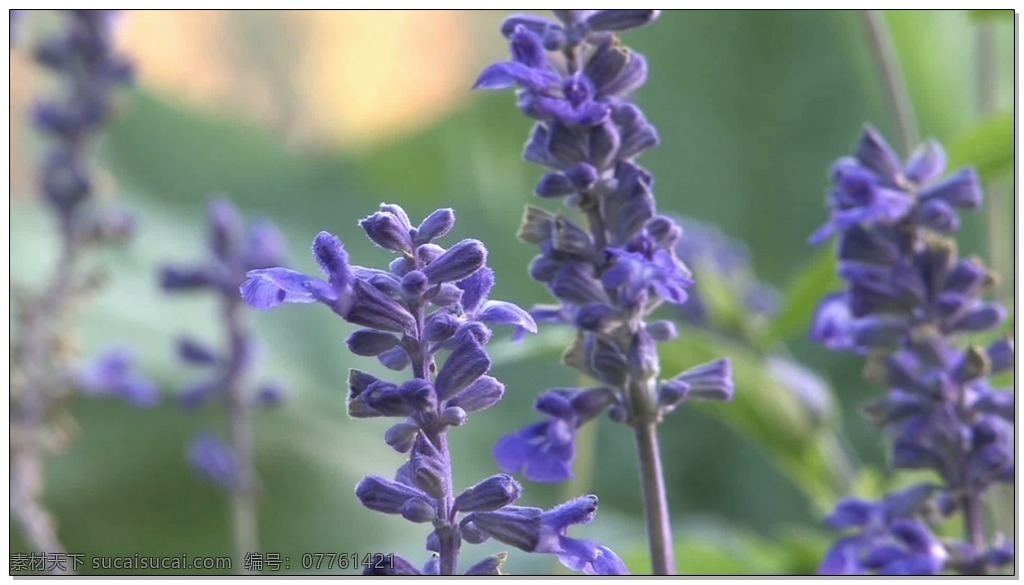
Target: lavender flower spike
x=907, y=297
x=88, y=72
x=430, y=304
x=610, y=273
x=234, y=250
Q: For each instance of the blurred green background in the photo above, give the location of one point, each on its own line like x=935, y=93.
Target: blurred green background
x=312, y=119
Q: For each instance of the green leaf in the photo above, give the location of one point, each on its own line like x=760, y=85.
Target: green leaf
x=724, y=304
x=817, y=279
x=991, y=15
x=988, y=147
x=770, y=416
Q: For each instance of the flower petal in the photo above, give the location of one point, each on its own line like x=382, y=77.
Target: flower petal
x=268, y=288
x=502, y=313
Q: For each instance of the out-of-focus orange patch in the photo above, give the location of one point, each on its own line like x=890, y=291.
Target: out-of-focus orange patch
x=179, y=52
x=327, y=78
x=21, y=92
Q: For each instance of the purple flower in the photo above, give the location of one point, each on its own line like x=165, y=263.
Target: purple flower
x=907, y=297
x=875, y=188
x=634, y=274
x=215, y=460
x=905, y=548
x=234, y=247
x=87, y=72
x=534, y=530
x=611, y=272
x=82, y=55
x=711, y=381
x=114, y=374
x=544, y=451
x=269, y=288
x=547, y=91
x=430, y=313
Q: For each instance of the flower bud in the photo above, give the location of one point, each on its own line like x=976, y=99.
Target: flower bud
x=174, y=278
x=226, y=227
x=383, y=495
x=554, y=185
x=386, y=399
x=440, y=327
x=1000, y=355
x=983, y=318
x=401, y=436
x=460, y=261
x=436, y=225
x=605, y=362
x=419, y=395
x=513, y=525
x=662, y=331
x=491, y=494
x=472, y=534
x=453, y=416
x=537, y=225
x=417, y=510
x=195, y=352
x=484, y=393
x=962, y=190
x=396, y=359
x=444, y=295
x=215, y=460
x=374, y=309
x=386, y=230
x=427, y=467
x=711, y=381
x=414, y=283
x=467, y=362
x=369, y=342
x=269, y=395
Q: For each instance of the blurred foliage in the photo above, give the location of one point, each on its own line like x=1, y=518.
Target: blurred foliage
x=802, y=295
x=752, y=109
x=987, y=147
x=771, y=416
x=992, y=15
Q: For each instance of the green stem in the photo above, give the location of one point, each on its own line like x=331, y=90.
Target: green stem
x=889, y=66
x=652, y=478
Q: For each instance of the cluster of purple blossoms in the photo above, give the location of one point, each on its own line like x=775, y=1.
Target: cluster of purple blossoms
x=575, y=79
x=81, y=57
x=431, y=301
x=234, y=250
x=908, y=296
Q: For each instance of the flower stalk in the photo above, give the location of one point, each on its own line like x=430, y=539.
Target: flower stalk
x=429, y=302
x=575, y=79
x=234, y=249
x=43, y=374
x=908, y=298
